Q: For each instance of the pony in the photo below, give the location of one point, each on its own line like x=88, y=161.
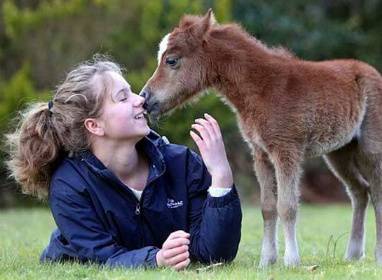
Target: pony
x=288, y=110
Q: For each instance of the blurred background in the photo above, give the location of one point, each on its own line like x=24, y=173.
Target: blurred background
x=40, y=41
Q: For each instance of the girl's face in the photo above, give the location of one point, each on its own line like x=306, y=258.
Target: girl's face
x=123, y=116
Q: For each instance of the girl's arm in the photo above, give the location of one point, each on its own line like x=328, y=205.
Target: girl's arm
x=215, y=219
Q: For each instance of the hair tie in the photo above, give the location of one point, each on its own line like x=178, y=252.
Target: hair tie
x=50, y=105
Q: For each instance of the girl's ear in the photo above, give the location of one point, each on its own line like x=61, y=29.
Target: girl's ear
x=94, y=126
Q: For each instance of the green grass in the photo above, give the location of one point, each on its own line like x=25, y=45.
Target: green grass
x=322, y=235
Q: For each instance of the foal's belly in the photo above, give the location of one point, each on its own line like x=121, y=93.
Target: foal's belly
x=319, y=149
x=326, y=133
x=322, y=144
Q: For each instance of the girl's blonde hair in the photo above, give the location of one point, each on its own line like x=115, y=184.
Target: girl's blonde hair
x=43, y=135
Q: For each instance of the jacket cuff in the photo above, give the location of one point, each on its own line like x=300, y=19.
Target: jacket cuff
x=218, y=202
x=218, y=192
x=152, y=258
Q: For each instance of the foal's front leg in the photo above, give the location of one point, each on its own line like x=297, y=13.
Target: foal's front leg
x=266, y=176
x=288, y=169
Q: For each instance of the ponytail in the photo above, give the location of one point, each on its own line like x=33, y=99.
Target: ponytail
x=34, y=150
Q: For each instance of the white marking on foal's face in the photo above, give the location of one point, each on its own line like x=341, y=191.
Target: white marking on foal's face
x=163, y=47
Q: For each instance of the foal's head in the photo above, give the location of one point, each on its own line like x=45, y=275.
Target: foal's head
x=182, y=65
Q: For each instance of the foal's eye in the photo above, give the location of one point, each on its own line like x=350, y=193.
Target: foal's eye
x=172, y=61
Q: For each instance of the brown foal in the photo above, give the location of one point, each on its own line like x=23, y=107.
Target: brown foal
x=288, y=109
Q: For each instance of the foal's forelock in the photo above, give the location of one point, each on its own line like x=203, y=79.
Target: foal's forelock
x=163, y=47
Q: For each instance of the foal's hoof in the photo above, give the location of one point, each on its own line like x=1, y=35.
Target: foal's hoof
x=291, y=261
x=354, y=256
x=267, y=261
x=355, y=251
x=378, y=258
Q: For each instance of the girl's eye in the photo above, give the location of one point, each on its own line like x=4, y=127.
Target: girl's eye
x=122, y=96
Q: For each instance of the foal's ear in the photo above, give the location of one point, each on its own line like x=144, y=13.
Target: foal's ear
x=201, y=27
x=210, y=17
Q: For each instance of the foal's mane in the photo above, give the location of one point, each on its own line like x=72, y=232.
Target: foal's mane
x=234, y=32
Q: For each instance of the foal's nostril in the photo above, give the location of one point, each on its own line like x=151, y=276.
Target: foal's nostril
x=146, y=96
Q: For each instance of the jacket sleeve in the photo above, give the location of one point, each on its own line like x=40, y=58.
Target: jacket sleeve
x=215, y=222
x=78, y=223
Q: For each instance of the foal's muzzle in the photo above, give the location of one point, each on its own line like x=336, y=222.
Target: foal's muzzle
x=146, y=96
x=150, y=104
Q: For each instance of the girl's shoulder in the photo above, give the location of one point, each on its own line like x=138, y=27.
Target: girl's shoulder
x=69, y=175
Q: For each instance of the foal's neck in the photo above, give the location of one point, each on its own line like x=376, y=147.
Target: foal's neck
x=242, y=66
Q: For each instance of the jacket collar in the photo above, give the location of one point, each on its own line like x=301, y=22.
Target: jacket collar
x=149, y=145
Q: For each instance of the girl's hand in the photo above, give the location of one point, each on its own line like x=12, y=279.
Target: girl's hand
x=211, y=147
x=174, y=252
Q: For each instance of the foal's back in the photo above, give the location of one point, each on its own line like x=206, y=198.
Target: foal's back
x=325, y=103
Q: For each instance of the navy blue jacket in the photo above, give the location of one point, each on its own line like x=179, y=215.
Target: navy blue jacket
x=100, y=220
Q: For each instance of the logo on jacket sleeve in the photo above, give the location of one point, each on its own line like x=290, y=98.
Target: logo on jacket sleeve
x=171, y=203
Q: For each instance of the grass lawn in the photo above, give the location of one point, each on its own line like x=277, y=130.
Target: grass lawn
x=322, y=234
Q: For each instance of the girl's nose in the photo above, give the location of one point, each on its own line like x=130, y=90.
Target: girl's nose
x=139, y=100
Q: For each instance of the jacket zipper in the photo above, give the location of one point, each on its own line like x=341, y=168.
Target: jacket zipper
x=138, y=205
x=138, y=209
x=138, y=202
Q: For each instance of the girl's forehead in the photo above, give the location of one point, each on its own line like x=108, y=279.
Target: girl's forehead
x=117, y=80
x=114, y=83
x=108, y=84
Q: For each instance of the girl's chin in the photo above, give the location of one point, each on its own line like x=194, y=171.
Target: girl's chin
x=147, y=130
x=143, y=132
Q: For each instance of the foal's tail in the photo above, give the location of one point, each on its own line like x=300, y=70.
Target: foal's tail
x=369, y=81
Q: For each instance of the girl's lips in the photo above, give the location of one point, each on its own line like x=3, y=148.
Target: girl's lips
x=141, y=115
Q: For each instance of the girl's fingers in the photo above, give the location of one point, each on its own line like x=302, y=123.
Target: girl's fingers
x=203, y=133
x=170, y=253
x=213, y=123
x=173, y=243
x=208, y=126
x=199, y=141
x=179, y=258
x=177, y=234
x=182, y=265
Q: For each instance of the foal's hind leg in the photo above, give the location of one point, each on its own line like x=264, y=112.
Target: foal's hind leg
x=266, y=176
x=372, y=169
x=369, y=158
x=376, y=198
x=342, y=164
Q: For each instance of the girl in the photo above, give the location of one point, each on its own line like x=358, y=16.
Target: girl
x=120, y=194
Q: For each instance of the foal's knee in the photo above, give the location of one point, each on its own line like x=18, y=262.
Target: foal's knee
x=359, y=198
x=268, y=206
x=269, y=214
x=287, y=210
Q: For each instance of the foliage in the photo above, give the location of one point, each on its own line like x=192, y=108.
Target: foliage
x=15, y=92
x=317, y=29
x=41, y=40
